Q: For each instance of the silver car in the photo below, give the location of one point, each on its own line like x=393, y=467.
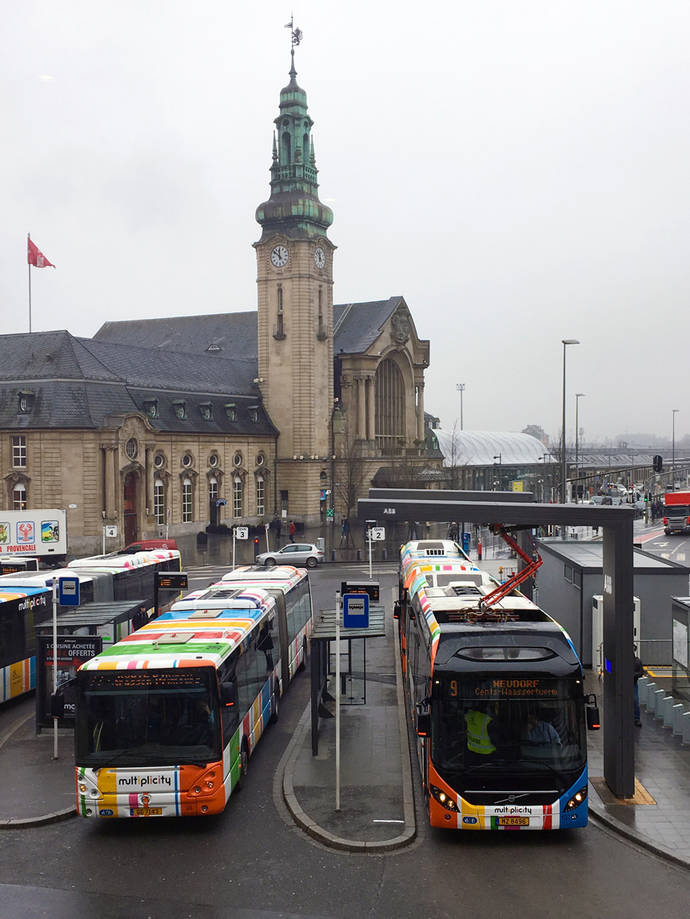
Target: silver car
x=298, y=553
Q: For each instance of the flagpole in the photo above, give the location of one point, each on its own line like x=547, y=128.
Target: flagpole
x=28, y=237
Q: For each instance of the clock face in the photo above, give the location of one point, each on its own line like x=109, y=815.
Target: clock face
x=319, y=257
x=279, y=256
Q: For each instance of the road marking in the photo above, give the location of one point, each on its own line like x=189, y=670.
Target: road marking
x=387, y=821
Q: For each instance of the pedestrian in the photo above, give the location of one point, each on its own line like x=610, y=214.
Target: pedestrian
x=276, y=527
x=638, y=671
x=292, y=529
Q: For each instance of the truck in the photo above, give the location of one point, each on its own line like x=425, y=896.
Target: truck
x=676, y=512
x=40, y=534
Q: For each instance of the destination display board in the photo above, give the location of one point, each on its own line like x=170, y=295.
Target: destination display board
x=371, y=588
x=172, y=680
x=505, y=688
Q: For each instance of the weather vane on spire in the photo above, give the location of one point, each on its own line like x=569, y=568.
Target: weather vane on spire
x=295, y=34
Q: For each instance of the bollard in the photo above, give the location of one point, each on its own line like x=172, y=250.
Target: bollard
x=678, y=712
x=685, y=729
x=658, y=702
x=668, y=711
x=359, y=555
x=642, y=684
x=332, y=558
x=650, y=696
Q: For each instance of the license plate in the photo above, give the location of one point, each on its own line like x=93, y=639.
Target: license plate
x=147, y=811
x=513, y=821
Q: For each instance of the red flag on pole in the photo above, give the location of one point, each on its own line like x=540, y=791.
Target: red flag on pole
x=36, y=258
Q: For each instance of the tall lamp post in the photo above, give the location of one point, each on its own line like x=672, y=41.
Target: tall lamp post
x=578, y=396
x=500, y=477
x=565, y=342
x=674, y=412
x=461, y=389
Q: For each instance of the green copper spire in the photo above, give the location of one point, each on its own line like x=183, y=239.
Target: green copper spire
x=294, y=207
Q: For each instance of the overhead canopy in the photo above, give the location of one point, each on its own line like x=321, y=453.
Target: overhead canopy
x=486, y=448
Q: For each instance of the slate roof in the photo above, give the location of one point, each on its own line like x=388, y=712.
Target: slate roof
x=229, y=335
x=356, y=328
x=76, y=383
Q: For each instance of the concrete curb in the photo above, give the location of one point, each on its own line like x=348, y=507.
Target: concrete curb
x=600, y=814
x=22, y=823
x=324, y=836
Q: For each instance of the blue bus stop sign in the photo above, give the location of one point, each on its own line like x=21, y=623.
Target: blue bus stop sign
x=68, y=591
x=356, y=611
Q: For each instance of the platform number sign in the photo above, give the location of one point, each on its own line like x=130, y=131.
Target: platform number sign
x=241, y=532
x=376, y=534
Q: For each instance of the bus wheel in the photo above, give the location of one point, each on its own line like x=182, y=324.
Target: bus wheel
x=275, y=714
x=244, y=765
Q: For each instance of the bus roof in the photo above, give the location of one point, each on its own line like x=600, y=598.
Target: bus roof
x=7, y=595
x=193, y=636
x=283, y=573
x=119, y=562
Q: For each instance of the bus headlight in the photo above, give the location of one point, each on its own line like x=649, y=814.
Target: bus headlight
x=577, y=799
x=443, y=799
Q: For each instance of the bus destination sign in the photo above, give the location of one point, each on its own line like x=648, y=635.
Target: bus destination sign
x=515, y=688
x=192, y=678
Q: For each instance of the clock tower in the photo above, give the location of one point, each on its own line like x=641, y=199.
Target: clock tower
x=295, y=310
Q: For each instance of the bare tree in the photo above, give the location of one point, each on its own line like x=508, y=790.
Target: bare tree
x=351, y=472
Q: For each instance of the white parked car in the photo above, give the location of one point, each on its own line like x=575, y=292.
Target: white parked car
x=298, y=553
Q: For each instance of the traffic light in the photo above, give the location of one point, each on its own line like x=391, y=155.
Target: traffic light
x=657, y=463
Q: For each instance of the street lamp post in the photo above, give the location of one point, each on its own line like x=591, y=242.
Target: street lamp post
x=500, y=477
x=578, y=396
x=565, y=342
x=461, y=389
x=674, y=412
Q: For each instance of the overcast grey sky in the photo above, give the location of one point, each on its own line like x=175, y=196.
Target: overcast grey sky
x=518, y=171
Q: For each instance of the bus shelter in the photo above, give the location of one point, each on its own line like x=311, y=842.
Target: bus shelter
x=112, y=621
x=353, y=677
x=82, y=634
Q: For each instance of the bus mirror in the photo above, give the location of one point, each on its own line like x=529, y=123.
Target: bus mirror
x=396, y=610
x=423, y=724
x=228, y=693
x=57, y=705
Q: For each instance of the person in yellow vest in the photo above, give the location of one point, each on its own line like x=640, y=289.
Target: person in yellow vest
x=478, y=740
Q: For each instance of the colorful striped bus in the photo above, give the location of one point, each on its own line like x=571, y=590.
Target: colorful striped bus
x=168, y=718
x=497, y=691
x=290, y=588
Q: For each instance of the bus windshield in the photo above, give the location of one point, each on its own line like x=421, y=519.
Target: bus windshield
x=147, y=717
x=525, y=725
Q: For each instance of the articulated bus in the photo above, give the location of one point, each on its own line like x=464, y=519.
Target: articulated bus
x=498, y=695
x=168, y=717
x=291, y=591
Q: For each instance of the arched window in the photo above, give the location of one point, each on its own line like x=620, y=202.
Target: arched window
x=390, y=407
x=260, y=496
x=159, y=501
x=19, y=497
x=186, y=500
x=306, y=148
x=213, y=489
x=287, y=159
x=237, y=496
